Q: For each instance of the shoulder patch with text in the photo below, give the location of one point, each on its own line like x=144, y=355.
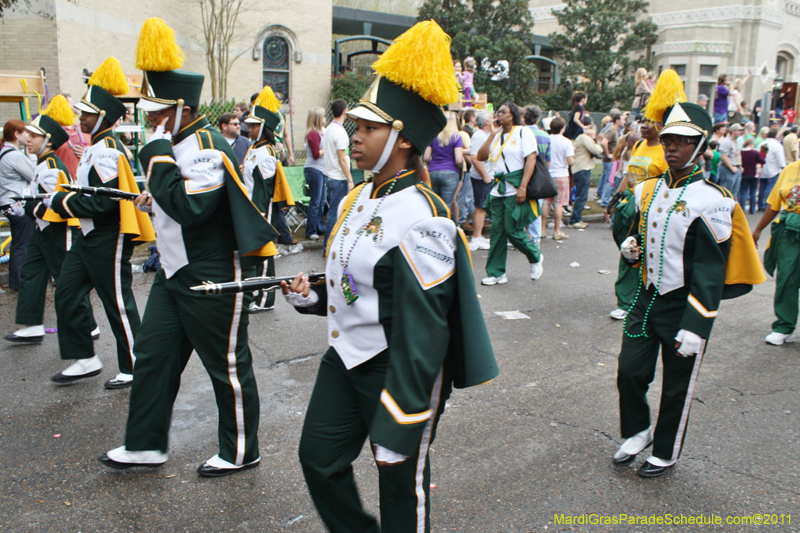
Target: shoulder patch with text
x=105, y=161
x=430, y=249
x=203, y=172
x=718, y=217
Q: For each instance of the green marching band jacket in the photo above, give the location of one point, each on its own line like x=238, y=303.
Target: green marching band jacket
x=708, y=253
x=200, y=205
x=412, y=273
x=264, y=178
x=98, y=167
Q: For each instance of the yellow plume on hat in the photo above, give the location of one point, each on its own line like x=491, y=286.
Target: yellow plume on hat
x=420, y=61
x=268, y=100
x=59, y=110
x=667, y=92
x=157, y=50
x=109, y=76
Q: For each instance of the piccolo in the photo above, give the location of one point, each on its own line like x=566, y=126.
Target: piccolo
x=116, y=194
x=252, y=284
x=26, y=197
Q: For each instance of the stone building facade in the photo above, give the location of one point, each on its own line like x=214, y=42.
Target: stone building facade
x=703, y=40
x=284, y=44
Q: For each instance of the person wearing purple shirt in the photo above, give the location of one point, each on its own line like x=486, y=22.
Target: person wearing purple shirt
x=721, y=100
x=445, y=157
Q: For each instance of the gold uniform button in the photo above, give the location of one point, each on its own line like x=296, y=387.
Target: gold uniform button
x=651, y=271
x=346, y=231
x=331, y=283
x=333, y=256
x=651, y=255
x=652, y=239
x=335, y=333
x=333, y=309
x=659, y=209
x=666, y=195
x=360, y=208
x=654, y=224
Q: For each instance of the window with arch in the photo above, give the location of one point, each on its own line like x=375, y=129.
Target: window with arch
x=784, y=65
x=276, y=64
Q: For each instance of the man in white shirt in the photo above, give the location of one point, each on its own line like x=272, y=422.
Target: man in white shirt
x=338, y=179
x=481, y=180
x=730, y=161
x=775, y=161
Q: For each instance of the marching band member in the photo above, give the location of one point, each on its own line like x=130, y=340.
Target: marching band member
x=100, y=256
x=205, y=223
x=404, y=322
x=264, y=179
x=52, y=236
x=693, y=244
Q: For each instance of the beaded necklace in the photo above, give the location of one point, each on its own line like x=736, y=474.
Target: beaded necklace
x=347, y=281
x=660, y=258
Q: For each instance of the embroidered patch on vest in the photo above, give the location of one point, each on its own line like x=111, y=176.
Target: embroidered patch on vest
x=430, y=249
x=718, y=218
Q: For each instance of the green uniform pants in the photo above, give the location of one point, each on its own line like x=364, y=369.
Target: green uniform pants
x=176, y=321
x=504, y=227
x=43, y=260
x=787, y=285
x=337, y=423
x=626, y=284
x=637, y=366
x=266, y=298
x=101, y=261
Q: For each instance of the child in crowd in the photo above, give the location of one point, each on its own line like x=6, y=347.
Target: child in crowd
x=713, y=145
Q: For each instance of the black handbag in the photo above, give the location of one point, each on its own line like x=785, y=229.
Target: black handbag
x=541, y=185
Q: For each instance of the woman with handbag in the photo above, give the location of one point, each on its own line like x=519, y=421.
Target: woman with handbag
x=510, y=156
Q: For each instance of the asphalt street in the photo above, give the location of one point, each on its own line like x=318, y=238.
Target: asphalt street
x=510, y=456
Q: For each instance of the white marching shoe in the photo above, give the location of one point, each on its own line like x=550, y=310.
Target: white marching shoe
x=632, y=447
x=537, y=269
x=27, y=335
x=82, y=368
x=777, y=339
x=120, y=458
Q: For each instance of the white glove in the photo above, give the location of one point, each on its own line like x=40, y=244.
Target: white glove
x=630, y=249
x=691, y=343
x=17, y=210
x=296, y=299
x=388, y=456
x=159, y=134
x=47, y=201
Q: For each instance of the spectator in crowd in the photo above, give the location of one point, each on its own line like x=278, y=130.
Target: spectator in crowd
x=749, y=132
x=533, y=113
x=283, y=139
x=702, y=100
x=762, y=136
x=469, y=122
x=511, y=153
x=16, y=173
x=71, y=151
x=444, y=158
x=464, y=203
x=721, y=100
x=790, y=145
x=735, y=109
x=641, y=90
x=713, y=161
x=730, y=168
x=230, y=127
x=480, y=179
x=719, y=131
x=562, y=156
x=574, y=125
x=585, y=151
x=241, y=110
x=314, y=171
x=338, y=179
x=608, y=141
x=774, y=164
x=751, y=160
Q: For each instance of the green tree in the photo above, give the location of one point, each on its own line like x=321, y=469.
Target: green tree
x=350, y=86
x=600, y=47
x=490, y=30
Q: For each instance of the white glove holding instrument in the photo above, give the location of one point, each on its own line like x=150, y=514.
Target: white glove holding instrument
x=159, y=134
x=630, y=249
x=16, y=209
x=47, y=201
x=296, y=299
x=691, y=343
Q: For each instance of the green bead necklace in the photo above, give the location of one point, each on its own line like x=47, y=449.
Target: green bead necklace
x=660, y=258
